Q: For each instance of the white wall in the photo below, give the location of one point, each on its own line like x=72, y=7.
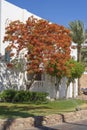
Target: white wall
x=8, y=13
x=74, y=51
x=0, y=23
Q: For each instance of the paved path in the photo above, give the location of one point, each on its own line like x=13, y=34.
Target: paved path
x=81, y=125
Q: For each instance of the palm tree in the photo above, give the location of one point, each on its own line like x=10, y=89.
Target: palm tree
x=78, y=35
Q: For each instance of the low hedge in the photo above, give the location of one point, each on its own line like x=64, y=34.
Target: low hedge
x=7, y=95
x=11, y=95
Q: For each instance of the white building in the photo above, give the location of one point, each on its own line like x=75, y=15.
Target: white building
x=10, y=12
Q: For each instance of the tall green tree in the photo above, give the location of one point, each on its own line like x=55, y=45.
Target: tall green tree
x=78, y=35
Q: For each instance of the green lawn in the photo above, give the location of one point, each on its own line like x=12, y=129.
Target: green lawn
x=14, y=110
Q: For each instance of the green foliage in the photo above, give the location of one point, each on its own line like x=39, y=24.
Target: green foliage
x=23, y=96
x=78, y=35
x=26, y=96
x=39, y=96
x=19, y=96
x=8, y=95
x=76, y=69
x=77, y=31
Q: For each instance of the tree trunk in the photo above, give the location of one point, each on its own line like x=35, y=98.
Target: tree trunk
x=57, y=91
x=66, y=92
x=79, y=86
x=79, y=60
x=57, y=85
x=67, y=85
x=31, y=82
x=79, y=53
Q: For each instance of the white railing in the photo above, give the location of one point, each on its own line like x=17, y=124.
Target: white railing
x=37, y=84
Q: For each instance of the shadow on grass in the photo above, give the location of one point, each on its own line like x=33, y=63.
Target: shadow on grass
x=18, y=111
x=10, y=112
x=24, y=106
x=15, y=114
x=15, y=111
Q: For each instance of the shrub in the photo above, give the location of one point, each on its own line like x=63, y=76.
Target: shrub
x=39, y=96
x=8, y=95
x=23, y=96
x=19, y=96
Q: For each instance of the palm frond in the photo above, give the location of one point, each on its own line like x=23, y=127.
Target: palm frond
x=77, y=31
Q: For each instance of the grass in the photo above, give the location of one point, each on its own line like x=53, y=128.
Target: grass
x=15, y=110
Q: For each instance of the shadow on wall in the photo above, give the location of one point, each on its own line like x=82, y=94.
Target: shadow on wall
x=38, y=123
x=7, y=124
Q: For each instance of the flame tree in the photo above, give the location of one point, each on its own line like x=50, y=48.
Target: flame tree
x=47, y=45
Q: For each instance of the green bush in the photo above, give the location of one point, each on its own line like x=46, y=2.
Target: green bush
x=19, y=96
x=23, y=96
x=39, y=96
x=8, y=95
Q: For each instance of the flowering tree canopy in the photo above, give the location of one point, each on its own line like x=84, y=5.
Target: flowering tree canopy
x=45, y=42
x=47, y=45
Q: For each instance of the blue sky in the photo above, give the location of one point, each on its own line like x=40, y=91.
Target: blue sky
x=56, y=11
